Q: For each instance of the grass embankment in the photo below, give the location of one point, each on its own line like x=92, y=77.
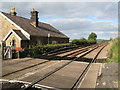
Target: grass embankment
x=114, y=51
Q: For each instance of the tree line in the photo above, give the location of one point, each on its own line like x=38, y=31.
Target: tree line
x=91, y=40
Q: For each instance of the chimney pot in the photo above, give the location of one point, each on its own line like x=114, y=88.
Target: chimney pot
x=33, y=9
x=13, y=11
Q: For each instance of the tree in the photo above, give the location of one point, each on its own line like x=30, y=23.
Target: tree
x=110, y=39
x=92, y=37
x=101, y=41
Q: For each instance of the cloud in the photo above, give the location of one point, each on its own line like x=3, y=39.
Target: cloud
x=114, y=33
x=67, y=9
x=75, y=34
x=75, y=19
x=78, y=27
x=68, y=24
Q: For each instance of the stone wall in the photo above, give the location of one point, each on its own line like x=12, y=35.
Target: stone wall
x=5, y=27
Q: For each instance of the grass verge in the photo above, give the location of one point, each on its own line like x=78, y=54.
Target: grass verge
x=114, y=51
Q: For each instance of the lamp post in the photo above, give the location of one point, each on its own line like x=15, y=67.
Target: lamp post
x=48, y=38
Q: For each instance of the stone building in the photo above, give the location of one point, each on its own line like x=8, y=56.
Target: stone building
x=22, y=32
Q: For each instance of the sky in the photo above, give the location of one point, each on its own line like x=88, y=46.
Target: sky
x=75, y=19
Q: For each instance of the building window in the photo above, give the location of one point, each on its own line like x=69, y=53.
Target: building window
x=13, y=43
x=10, y=43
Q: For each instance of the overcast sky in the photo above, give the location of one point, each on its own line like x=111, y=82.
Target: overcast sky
x=76, y=20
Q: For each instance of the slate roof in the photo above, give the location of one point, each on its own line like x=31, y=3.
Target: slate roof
x=20, y=34
x=42, y=30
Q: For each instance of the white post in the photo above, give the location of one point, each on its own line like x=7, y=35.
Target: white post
x=48, y=38
x=2, y=49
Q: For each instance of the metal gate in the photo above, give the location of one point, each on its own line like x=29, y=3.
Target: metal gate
x=7, y=52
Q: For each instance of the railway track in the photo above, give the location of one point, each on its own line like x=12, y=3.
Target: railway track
x=84, y=50
x=59, y=68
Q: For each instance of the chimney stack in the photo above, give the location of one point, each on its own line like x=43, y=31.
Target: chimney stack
x=13, y=11
x=34, y=17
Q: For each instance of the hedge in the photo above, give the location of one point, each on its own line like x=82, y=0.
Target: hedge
x=41, y=49
x=83, y=41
